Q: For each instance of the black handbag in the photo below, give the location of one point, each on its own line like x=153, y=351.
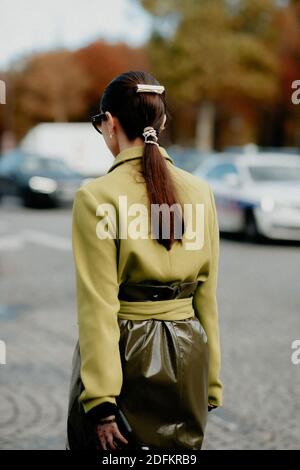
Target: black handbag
x=127, y=432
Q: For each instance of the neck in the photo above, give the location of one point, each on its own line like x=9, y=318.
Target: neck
x=124, y=144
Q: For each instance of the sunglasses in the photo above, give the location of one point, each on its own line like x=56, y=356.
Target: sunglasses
x=97, y=121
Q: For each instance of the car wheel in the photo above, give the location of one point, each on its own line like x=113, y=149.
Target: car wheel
x=251, y=231
x=28, y=198
x=27, y=201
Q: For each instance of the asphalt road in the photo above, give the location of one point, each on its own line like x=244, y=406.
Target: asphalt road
x=259, y=306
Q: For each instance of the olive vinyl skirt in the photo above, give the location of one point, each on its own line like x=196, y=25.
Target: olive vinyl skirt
x=164, y=394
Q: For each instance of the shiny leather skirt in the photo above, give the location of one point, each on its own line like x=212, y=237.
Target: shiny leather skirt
x=164, y=394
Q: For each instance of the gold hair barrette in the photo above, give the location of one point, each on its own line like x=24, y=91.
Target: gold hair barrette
x=143, y=87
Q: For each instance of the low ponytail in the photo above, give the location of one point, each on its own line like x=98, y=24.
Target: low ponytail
x=161, y=190
x=136, y=111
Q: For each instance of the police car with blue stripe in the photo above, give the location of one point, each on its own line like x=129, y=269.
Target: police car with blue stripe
x=256, y=194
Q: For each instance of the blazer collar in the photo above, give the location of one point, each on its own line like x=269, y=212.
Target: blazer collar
x=135, y=152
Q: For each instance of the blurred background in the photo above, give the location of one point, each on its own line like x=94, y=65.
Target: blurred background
x=231, y=69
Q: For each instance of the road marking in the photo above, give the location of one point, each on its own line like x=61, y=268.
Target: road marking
x=51, y=241
x=11, y=242
x=16, y=242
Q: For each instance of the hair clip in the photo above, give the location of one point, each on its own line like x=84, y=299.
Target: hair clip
x=143, y=87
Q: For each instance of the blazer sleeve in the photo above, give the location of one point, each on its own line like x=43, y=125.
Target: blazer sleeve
x=97, y=288
x=206, y=308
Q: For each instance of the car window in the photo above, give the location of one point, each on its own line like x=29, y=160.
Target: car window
x=47, y=165
x=219, y=171
x=55, y=165
x=275, y=173
x=8, y=162
x=30, y=164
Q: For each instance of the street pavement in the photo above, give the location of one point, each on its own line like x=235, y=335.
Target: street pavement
x=259, y=308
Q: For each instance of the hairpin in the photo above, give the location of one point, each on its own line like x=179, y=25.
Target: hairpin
x=143, y=87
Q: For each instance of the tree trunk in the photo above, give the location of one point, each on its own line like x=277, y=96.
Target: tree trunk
x=205, y=126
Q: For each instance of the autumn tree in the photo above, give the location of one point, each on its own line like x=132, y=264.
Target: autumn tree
x=102, y=62
x=206, y=50
x=282, y=125
x=48, y=87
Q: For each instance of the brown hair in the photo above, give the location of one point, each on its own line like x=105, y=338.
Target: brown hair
x=135, y=111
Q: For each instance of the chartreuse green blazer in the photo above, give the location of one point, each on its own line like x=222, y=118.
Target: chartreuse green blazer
x=102, y=264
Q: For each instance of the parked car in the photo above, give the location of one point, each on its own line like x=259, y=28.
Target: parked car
x=187, y=158
x=257, y=194
x=253, y=148
x=77, y=143
x=37, y=180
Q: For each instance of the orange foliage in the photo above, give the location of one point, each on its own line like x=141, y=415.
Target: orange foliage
x=103, y=61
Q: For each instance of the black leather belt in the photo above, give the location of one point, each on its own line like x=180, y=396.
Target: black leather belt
x=154, y=291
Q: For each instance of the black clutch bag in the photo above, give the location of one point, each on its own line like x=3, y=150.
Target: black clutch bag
x=127, y=432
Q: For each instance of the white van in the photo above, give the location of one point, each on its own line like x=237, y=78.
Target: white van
x=77, y=143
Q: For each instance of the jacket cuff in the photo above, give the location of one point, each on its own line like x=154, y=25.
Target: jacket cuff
x=101, y=411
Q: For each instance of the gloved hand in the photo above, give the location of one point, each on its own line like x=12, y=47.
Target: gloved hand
x=108, y=434
x=211, y=407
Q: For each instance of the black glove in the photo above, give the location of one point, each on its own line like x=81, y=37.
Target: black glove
x=211, y=407
x=101, y=411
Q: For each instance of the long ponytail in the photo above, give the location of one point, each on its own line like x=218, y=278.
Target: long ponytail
x=161, y=190
x=136, y=111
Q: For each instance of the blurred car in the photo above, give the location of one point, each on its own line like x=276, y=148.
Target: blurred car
x=37, y=180
x=257, y=194
x=187, y=158
x=76, y=143
x=253, y=148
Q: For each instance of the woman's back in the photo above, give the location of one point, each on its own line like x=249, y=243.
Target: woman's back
x=145, y=221
x=140, y=257
x=106, y=263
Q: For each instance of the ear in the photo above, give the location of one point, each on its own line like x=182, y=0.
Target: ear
x=110, y=121
x=163, y=123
